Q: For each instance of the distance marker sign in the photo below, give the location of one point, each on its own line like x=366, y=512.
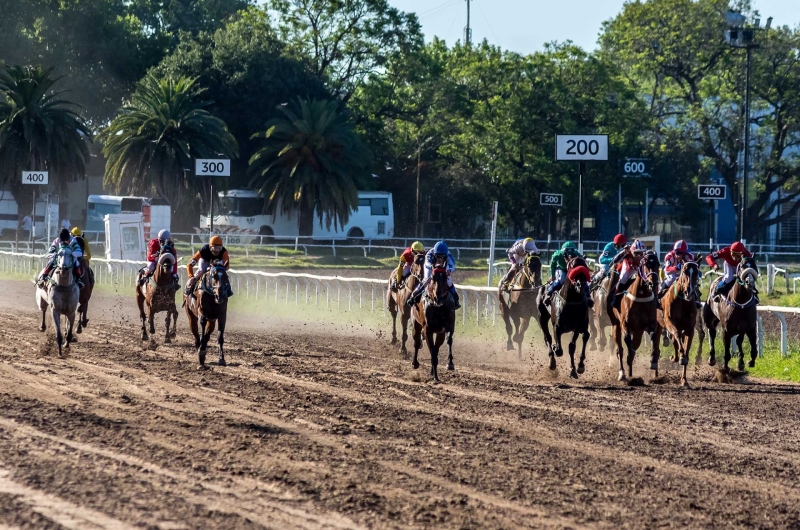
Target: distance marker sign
x=35, y=177
x=582, y=147
x=209, y=167
x=551, y=199
x=712, y=192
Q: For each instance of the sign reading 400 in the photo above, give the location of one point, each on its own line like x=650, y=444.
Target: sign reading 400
x=209, y=167
x=35, y=177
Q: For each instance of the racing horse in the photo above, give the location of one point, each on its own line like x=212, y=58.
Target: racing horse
x=87, y=277
x=637, y=315
x=570, y=313
x=60, y=293
x=736, y=312
x=206, y=307
x=158, y=295
x=679, y=313
x=601, y=313
x=518, y=305
x=396, y=301
x=434, y=318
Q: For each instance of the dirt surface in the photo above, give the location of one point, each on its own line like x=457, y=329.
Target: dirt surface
x=334, y=430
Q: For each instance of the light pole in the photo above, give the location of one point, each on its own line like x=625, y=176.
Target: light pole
x=739, y=36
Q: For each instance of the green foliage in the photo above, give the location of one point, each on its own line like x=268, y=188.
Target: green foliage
x=150, y=145
x=39, y=130
x=312, y=159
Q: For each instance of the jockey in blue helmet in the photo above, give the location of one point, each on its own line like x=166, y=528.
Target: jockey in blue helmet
x=437, y=257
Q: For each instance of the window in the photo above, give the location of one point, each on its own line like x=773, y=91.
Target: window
x=379, y=206
x=251, y=207
x=381, y=227
x=130, y=238
x=229, y=206
x=363, y=202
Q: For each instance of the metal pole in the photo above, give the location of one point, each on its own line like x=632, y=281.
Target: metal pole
x=416, y=208
x=581, y=170
x=646, y=210
x=211, y=215
x=492, y=242
x=746, y=146
x=619, y=209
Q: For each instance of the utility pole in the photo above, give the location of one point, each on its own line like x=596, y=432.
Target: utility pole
x=746, y=146
x=468, y=29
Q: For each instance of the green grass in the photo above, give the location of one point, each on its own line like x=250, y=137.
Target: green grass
x=773, y=366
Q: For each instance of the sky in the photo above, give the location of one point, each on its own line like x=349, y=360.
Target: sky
x=524, y=26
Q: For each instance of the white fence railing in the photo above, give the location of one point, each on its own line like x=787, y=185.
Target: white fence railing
x=479, y=304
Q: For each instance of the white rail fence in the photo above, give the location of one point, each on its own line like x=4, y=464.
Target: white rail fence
x=479, y=304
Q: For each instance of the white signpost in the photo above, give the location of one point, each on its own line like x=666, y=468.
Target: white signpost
x=581, y=147
x=35, y=178
x=211, y=167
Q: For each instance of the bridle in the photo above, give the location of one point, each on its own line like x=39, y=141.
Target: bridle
x=690, y=271
x=433, y=292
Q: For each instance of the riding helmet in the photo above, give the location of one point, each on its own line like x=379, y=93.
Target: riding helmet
x=164, y=235
x=568, y=245
x=680, y=246
x=737, y=247
x=530, y=245
x=77, y=232
x=620, y=240
x=64, y=235
x=440, y=248
x=416, y=246
x=215, y=241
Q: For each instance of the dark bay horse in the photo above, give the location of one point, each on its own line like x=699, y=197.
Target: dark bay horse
x=519, y=305
x=158, y=295
x=396, y=301
x=60, y=294
x=570, y=313
x=679, y=313
x=207, y=306
x=636, y=316
x=85, y=295
x=435, y=318
x=736, y=312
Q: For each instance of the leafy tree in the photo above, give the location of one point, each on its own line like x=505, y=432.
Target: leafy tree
x=171, y=17
x=246, y=74
x=151, y=144
x=313, y=159
x=673, y=54
x=346, y=40
x=38, y=131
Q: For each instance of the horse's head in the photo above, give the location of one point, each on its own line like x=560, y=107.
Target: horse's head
x=164, y=268
x=533, y=264
x=220, y=282
x=577, y=261
x=747, y=272
x=438, y=290
x=650, y=266
x=690, y=275
x=65, y=261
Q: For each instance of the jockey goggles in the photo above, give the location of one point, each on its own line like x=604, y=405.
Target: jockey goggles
x=737, y=255
x=216, y=249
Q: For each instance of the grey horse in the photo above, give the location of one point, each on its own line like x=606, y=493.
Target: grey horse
x=61, y=294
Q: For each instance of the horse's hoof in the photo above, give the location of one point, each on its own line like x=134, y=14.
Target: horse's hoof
x=559, y=352
x=552, y=363
x=144, y=336
x=685, y=383
x=740, y=366
x=509, y=346
x=451, y=366
x=394, y=340
x=573, y=374
x=152, y=330
x=42, y=328
x=581, y=368
x=674, y=358
x=202, y=367
x=621, y=376
x=403, y=351
x=685, y=360
x=415, y=365
x=712, y=361
x=79, y=330
x=751, y=363
x=654, y=365
x=222, y=362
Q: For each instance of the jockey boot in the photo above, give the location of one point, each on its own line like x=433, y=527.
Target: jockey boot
x=393, y=286
x=454, y=294
x=190, y=286
x=548, y=295
x=414, y=298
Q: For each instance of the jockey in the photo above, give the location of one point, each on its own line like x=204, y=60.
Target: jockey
x=607, y=257
x=732, y=256
x=517, y=254
x=627, y=262
x=406, y=261
x=64, y=239
x=558, y=270
x=83, y=243
x=204, y=257
x=437, y=257
x=673, y=263
x=157, y=245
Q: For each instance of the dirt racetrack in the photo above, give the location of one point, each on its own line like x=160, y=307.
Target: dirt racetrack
x=332, y=429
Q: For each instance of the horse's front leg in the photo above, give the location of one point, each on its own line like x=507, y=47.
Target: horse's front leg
x=582, y=360
x=418, y=331
x=687, y=345
x=167, y=339
x=632, y=343
x=433, y=346
x=140, y=301
x=573, y=372
x=404, y=318
x=393, y=309
x=221, y=339
x=557, y=349
x=56, y=316
x=201, y=351
x=174, y=322
x=80, y=320
x=740, y=346
x=450, y=365
x=43, y=326
x=616, y=335
x=522, y=328
x=726, y=342
x=656, y=354
x=70, y=326
x=753, y=339
x=151, y=314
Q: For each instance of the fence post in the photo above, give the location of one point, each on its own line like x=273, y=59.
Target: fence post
x=770, y=278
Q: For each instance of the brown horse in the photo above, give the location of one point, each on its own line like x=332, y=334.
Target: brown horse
x=86, y=293
x=570, y=313
x=434, y=318
x=736, y=313
x=679, y=313
x=637, y=314
x=207, y=306
x=396, y=301
x=518, y=305
x=158, y=295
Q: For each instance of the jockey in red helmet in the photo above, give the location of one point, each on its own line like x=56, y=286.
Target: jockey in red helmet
x=673, y=263
x=628, y=260
x=731, y=256
x=607, y=257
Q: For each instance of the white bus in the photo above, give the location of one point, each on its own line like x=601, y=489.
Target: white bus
x=242, y=213
x=157, y=214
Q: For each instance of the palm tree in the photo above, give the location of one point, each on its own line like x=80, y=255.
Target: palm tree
x=313, y=159
x=150, y=145
x=39, y=131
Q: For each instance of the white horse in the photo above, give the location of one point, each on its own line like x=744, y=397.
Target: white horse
x=61, y=295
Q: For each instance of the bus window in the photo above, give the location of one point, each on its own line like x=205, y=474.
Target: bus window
x=380, y=207
x=250, y=207
x=363, y=202
x=229, y=206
